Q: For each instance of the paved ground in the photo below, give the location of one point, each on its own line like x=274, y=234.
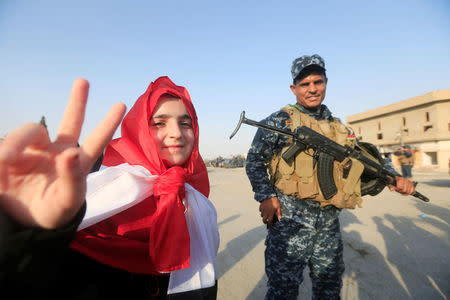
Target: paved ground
x=396, y=247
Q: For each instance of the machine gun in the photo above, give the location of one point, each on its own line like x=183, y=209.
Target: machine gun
x=327, y=151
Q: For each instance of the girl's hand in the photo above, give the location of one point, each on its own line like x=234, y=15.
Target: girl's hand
x=43, y=183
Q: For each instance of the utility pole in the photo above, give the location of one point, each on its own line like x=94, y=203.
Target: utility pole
x=400, y=137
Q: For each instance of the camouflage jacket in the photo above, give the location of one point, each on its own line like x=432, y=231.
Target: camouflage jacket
x=265, y=144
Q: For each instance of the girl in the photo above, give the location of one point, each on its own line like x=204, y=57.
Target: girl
x=149, y=231
x=168, y=238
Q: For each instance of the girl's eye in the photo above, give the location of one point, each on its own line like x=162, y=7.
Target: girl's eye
x=186, y=124
x=159, y=124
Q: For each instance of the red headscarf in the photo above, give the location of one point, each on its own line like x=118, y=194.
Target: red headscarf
x=151, y=236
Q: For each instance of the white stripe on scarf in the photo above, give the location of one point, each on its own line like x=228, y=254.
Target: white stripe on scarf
x=115, y=189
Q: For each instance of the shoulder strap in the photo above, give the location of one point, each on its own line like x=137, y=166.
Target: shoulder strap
x=294, y=115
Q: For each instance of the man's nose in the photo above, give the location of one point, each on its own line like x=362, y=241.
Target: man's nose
x=312, y=88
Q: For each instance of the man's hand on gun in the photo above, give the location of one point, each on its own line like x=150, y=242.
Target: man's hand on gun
x=403, y=186
x=43, y=183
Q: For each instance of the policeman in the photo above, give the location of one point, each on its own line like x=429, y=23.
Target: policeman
x=303, y=226
x=406, y=159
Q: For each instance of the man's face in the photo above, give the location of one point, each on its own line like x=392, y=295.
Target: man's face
x=310, y=91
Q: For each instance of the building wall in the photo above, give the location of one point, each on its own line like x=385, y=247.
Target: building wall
x=422, y=122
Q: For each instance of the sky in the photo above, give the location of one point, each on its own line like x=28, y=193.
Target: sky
x=232, y=56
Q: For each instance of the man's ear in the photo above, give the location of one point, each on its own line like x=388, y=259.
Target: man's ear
x=293, y=88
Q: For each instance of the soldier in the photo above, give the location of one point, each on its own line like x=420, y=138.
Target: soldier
x=406, y=159
x=303, y=227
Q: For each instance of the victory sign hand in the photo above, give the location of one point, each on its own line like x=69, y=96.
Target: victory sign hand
x=43, y=183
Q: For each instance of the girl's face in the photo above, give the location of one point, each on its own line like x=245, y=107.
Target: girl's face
x=172, y=129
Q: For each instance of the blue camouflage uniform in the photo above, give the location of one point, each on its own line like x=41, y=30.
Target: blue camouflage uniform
x=306, y=234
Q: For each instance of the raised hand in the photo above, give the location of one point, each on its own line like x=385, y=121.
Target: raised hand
x=43, y=183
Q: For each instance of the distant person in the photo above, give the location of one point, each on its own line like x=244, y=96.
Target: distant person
x=406, y=160
x=303, y=226
x=147, y=232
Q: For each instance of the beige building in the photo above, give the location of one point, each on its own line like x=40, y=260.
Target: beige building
x=423, y=122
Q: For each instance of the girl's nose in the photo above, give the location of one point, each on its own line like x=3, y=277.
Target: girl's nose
x=174, y=130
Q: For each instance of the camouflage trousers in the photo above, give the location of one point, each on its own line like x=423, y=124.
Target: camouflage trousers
x=311, y=238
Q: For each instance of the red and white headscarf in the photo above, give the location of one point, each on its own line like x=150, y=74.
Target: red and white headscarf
x=151, y=236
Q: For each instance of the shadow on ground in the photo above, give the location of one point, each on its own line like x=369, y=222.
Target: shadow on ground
x=437, y=182
x=425, y=273
x=410, y=267
x=237, y=248
x=229, y=219
x=431, y=210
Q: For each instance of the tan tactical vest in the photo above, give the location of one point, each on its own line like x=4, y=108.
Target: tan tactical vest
x=299, y=178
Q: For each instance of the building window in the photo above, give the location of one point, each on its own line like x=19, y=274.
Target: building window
x=448, y=126
x=404, y=121
x=359, y=128
x=379, y=126
x=430, y=158
x=427, y=127
x=379, y=136
x=427, y=117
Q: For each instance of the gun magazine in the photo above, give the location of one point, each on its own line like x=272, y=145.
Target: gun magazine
x=327, y=185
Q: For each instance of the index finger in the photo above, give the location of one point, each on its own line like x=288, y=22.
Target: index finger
x=72, y=121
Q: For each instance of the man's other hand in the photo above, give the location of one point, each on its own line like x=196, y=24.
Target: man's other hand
x=270, y=210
